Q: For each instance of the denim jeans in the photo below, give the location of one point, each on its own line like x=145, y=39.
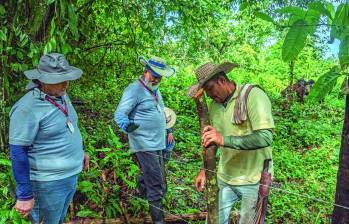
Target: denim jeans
x=230, y=194
x=52, y=199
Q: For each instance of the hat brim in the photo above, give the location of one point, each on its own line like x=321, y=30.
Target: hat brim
x=225, y=67
x=53, y=78
x=173, y=116
x=167, y=72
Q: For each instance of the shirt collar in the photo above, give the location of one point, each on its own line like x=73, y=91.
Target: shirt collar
x=41, y=95
x=233, y=95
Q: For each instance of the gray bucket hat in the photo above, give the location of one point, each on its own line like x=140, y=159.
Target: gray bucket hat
x=53, y=68
x=206, y=71
x=158, y=66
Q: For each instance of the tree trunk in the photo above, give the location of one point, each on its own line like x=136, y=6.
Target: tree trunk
x=292, y=90
x=341, y=215
x=209, y=156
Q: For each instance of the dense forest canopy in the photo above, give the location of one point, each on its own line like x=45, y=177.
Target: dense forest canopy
x=275, y=43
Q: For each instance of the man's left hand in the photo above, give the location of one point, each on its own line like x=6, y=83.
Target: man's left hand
x=211, y=135
x=170, y=138
x=86, y=162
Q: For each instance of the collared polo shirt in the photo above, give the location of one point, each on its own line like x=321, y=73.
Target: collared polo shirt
x=242, y=167
x=139, y=105
x=54, y=151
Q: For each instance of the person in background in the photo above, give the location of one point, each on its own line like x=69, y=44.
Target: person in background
x=242, y=127
x=46, y=147
x=170, y=117
x=140, y=114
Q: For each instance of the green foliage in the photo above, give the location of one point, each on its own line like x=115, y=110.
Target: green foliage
x=340, y=23
x=264, y=16
x=325, y=8
x=325, y=84
x=104, y=38
x=344, y=53
x=294, y=40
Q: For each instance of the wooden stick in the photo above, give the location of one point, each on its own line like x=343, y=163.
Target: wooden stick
x=147, y=219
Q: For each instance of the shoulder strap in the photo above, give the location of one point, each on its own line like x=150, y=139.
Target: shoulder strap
x=240, y=109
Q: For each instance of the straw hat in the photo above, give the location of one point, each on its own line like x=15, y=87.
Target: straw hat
x=206, y=71
x=170, y=116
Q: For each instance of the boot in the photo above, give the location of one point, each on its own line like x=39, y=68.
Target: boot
x=156, y=212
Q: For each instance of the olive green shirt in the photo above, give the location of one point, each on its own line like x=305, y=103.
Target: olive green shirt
x=241, y=167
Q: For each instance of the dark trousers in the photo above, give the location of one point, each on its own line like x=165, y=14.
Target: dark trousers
x=152, y=181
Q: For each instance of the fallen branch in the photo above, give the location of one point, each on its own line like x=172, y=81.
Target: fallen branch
x=147, y=219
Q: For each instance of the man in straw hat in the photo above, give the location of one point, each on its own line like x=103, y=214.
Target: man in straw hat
x=140, y=114
x=45, y=142
x=242, y=127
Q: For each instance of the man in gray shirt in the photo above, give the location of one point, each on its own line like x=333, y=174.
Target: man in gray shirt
x=140, y=114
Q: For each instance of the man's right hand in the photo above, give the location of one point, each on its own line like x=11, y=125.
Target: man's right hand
x=200, y=181
x=24, y=207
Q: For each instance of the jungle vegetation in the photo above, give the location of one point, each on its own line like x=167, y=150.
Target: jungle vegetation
x=275, y=44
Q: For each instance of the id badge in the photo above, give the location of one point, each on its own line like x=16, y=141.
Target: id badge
x=70, y=126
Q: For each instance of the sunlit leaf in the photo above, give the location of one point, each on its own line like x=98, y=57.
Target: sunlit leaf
x=3, y=35
x=293, y=10
x=344, y=52
x=243, y=6
x=5, y=162
x=48, y=48
x=294, y=41
x=264, y=16
x=340, y=23
x=312, y=18
x=87, y=213
x=53, y=27
x=325, y=84
x=324, y=8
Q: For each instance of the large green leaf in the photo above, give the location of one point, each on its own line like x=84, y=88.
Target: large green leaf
x=264, y=16
x=294, y=41
x=312, y=18
x=340, y=23
x=344, y=52
x=324, y=8
x=325, y=84
x=293, y=10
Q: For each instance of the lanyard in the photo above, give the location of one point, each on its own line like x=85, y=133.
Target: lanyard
x=64, y=110
x=149, y=90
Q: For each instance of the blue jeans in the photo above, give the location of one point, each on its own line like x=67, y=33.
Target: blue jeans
x=52, y=199
x=230, y=194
